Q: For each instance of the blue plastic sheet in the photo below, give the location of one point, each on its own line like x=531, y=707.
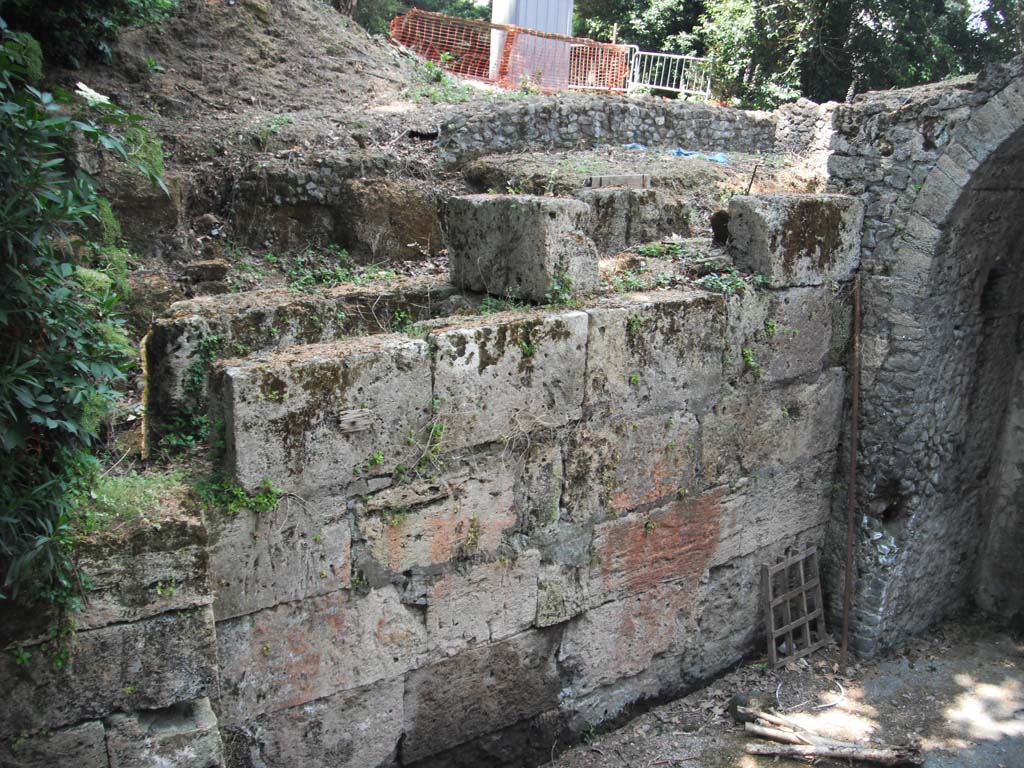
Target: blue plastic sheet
x=717, y=157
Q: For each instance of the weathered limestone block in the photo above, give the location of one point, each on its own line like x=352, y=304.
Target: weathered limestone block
x=182, y=736
x=753, y=429
x=796, y=239
x=390, y=219
x=158, y=568
x=616, y=463
x=181, y=347
x=522, y=246
x=427, y=523
x=479, y=691
x=500, y=378
x=561, y=594
x=672, y=543
x=620, y=638
x=779, y=336
x=295, y=653
x=298, y=550
x=659, y=356
x=81, y=746
x=148, y=664
x=788, y=503
x=353, y=729
x=314, y=418
x=621, y=218
x=485, y=603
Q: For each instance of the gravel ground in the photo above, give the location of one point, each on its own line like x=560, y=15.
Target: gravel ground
x=957, y=691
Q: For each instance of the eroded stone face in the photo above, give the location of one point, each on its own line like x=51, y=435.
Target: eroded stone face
x=352, y=729
x=479, y=692
x=161, y=660
x=183, y=735
x=522, y=246
x=497, y=381
x=318, y=418
x=83, y=746
x=796, y=239
x=295, y=653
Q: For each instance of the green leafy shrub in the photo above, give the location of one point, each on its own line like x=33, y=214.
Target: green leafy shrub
x=72, y=31
x=62, y=348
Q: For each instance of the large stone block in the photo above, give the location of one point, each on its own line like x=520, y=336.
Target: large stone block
x=522, y=246
x=148, y=664
x=157, y=568
x=673, y=543
x=779, y=336
x=295, y=653
x=181, y=347
x=500, y=378
x=314, y=418
x=353, y=729
x=620, y=638
x=621, y=218
x=796, y=239
x=182, y=736
x=617, y=463
x=483, y=603
x=752, y=429
x=426, y=523
x=775, y=506
x=479, y=691
x=81, y=746
x=298, y=550
x=659, y=354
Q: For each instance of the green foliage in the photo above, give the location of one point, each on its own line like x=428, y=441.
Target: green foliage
x=72, y=31
x=219, y=494
x=768, y=53
x=313, y=269
x=560, y=294
x=110, y=227
x=376, y=15
x=438, y=87
x=728, y=283
x=751, y=364
x=63, y=350
x=116, y=500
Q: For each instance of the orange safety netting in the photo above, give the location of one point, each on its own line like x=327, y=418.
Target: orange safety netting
x=513, y=57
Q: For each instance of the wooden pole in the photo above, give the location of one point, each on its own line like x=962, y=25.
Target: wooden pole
x=851, y=490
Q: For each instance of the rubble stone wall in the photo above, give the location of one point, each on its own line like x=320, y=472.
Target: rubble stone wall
x=938, y=169
x=583, y=122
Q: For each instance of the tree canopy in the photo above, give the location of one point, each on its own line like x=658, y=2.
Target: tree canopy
x=769, y=52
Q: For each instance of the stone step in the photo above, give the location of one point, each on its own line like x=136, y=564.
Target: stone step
x=180, y=347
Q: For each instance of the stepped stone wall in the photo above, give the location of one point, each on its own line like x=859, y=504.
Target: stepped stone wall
x=497, y=532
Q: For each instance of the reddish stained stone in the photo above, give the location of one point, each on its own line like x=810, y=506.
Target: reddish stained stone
x=673, y=543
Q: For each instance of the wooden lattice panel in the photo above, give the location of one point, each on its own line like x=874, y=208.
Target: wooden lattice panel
x=794, y=614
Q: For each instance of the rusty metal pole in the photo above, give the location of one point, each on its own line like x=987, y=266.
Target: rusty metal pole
x=851, y=490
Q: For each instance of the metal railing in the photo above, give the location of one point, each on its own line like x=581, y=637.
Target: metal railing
x=686, y=75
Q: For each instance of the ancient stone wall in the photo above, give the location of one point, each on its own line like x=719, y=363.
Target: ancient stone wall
x=938, y=170
x=590, y=121
x=497, y=531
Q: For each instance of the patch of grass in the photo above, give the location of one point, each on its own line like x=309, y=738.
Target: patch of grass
x=127, y=498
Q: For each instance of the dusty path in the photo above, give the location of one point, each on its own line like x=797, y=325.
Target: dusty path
x=958, y=690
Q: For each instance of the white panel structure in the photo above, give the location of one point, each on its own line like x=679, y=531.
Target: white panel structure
x=554, y=16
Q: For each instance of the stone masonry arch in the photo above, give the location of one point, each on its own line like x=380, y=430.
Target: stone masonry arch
x=940, y=170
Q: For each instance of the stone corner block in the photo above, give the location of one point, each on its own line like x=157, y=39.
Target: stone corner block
x=796, y=239
x=520, y=245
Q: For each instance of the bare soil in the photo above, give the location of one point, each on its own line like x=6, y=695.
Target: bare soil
x=957, y=691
